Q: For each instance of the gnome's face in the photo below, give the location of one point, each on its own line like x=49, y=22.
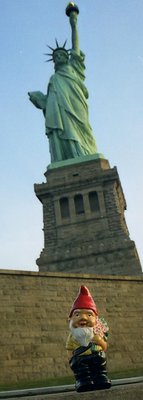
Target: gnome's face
x=82, y=318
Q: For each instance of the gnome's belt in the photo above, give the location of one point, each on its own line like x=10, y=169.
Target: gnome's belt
x=82, y=349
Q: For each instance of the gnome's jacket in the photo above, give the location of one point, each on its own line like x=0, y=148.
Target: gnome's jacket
x=101, y=329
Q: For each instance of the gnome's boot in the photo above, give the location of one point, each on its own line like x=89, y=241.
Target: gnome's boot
x=98, y=372
x=82, y=375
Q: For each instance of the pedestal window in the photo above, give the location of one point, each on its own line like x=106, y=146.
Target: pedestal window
x=79, y=205
x=93, y=201
x=64, y=207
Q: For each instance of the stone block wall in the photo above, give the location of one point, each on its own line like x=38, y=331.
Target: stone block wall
x=34, y=309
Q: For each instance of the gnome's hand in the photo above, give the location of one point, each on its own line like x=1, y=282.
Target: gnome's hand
x=100, y=342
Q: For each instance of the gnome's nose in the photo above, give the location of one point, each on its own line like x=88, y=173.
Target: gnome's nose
x=83, y=318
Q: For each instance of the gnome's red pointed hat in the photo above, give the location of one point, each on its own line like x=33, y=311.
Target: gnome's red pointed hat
x=83, y=300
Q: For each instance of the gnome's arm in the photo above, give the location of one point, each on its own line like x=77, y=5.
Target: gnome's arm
x=100, y=342
x=101, y=332
x=71, y=344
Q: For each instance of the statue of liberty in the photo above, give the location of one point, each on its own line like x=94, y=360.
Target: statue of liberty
x=65, y=104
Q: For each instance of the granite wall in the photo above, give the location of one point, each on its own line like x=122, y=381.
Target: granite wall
x=34, y=309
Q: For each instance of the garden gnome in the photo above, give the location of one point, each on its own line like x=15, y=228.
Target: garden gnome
x=87, y=344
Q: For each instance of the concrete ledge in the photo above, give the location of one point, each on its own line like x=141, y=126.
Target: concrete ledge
x=50, y=390
x=122, y=392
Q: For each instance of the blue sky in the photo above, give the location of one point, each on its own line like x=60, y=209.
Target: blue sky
x=111, y=36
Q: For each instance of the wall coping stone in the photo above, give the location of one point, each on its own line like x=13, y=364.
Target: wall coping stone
x=76, y=276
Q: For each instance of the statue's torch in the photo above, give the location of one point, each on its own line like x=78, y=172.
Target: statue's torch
x=70, y=8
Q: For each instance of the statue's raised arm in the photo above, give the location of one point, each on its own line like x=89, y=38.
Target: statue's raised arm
x=72, y=12
x=65, y=103
x=75, y=36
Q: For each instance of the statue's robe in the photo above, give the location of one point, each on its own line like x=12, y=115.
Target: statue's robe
x=66, y=112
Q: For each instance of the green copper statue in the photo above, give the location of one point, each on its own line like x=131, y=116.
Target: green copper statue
x=64, y=106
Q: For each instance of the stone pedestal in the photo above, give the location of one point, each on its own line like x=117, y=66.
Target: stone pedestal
x=84, y=224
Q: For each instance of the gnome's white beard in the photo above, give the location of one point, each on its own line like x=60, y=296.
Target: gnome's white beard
x=82, y=335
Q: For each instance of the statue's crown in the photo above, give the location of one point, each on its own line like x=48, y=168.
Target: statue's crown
x=62, y=48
